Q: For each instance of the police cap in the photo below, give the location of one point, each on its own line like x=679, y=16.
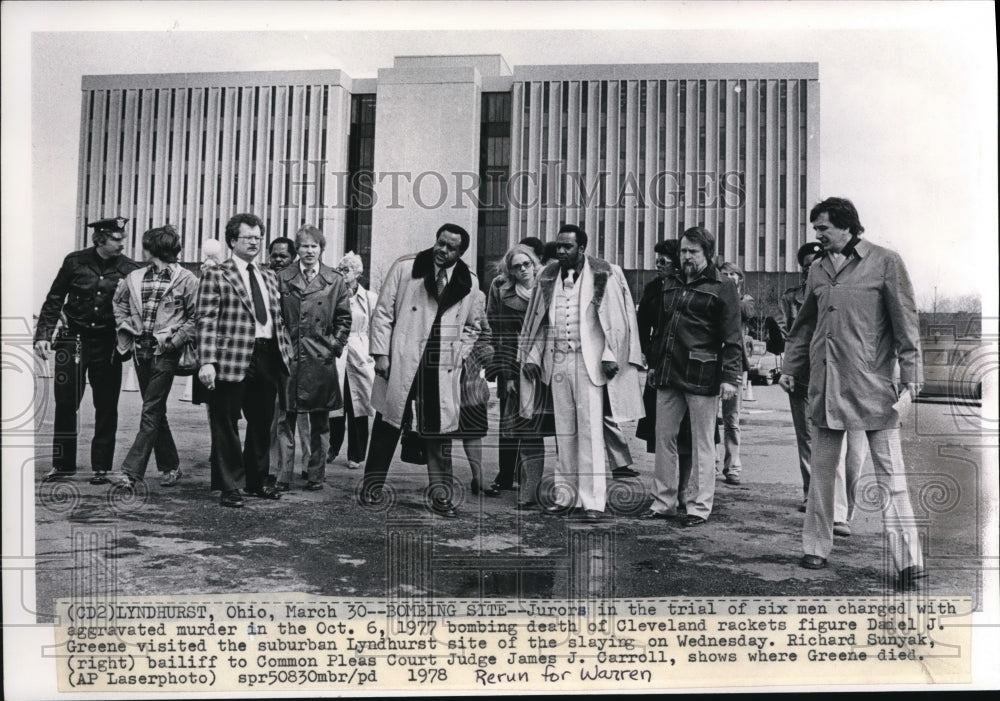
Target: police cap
x=110, y=226
x=813, y=248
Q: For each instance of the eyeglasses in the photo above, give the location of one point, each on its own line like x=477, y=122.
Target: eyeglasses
x=521, y=266
x=253, y=239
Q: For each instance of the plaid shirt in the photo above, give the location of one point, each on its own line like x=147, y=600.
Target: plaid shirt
x=154, y=284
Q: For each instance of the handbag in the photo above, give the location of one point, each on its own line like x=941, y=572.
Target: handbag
x=412, y=448
x=187, y=363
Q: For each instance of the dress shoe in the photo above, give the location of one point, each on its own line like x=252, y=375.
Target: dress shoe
x=593, y=515
x=314, y=486
x=100, y=477
x=910, y=577
x=492, y=491
x=55, y=475
x=282, y=486
x=445, y=509
x=841, y=529
x=526, y=505
x=170, y=478
x=802, y=508
x=733, y=479
x=620, y=473
x=650, y=515
x=231, y=499
x=353, y=465
x=554, y=510
x=127, y=481
x=813, y=562
x=264, y=493
x=690, y=521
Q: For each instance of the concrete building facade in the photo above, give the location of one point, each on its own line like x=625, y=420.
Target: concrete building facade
x=633, y=153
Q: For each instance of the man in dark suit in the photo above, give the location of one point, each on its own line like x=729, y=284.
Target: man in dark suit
x=85, y=347
x=245, y=351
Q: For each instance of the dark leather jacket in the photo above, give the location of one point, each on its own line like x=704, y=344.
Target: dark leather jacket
x=698, y=339
x=83, y=290
x=647, y=314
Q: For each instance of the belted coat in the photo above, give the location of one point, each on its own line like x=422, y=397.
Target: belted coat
x=318, y=316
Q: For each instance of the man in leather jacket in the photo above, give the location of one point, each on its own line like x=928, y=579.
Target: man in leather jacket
x=85, y=347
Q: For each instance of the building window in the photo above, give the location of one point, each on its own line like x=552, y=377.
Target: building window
x=494, y=173
x=360, y=190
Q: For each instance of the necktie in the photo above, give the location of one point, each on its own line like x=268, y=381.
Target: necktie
x=310, y=274
x=442, y=281
x=259, y=307
x=568, y=282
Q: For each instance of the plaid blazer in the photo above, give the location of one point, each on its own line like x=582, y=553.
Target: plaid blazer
x=226, y=321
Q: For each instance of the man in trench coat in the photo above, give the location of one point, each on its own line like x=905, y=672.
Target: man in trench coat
x=316, y=305
x=424, y=325
x=858, y=320
x=581, y=338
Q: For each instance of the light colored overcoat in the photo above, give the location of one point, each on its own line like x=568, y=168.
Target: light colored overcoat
x=401, y=325
x=608, y=331
x=853, y=327
x=356, y=364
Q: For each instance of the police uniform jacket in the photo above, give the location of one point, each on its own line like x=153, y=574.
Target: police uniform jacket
x=83, y=290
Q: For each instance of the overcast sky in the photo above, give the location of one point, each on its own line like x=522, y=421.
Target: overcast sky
x=908, y=91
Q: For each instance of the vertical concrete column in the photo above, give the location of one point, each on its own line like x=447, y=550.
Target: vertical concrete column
x=408, y=548
x=592, y=563
x=427, y=130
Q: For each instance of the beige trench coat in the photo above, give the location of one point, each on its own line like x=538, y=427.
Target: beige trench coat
x=401, y=325
x=853, y=328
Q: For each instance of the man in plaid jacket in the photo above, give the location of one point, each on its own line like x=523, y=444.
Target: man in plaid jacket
x=244, y=349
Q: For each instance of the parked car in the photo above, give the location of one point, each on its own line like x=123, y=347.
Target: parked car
x=956, y=368
x=765, y=367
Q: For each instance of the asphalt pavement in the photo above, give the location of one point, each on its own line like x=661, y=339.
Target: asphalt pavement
x=179, y=540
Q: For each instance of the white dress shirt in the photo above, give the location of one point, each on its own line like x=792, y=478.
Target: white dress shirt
x=265, y=330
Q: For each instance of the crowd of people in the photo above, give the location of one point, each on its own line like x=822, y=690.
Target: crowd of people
x=296, y=346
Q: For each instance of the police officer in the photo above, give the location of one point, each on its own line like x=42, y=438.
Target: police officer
x=85, y=346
